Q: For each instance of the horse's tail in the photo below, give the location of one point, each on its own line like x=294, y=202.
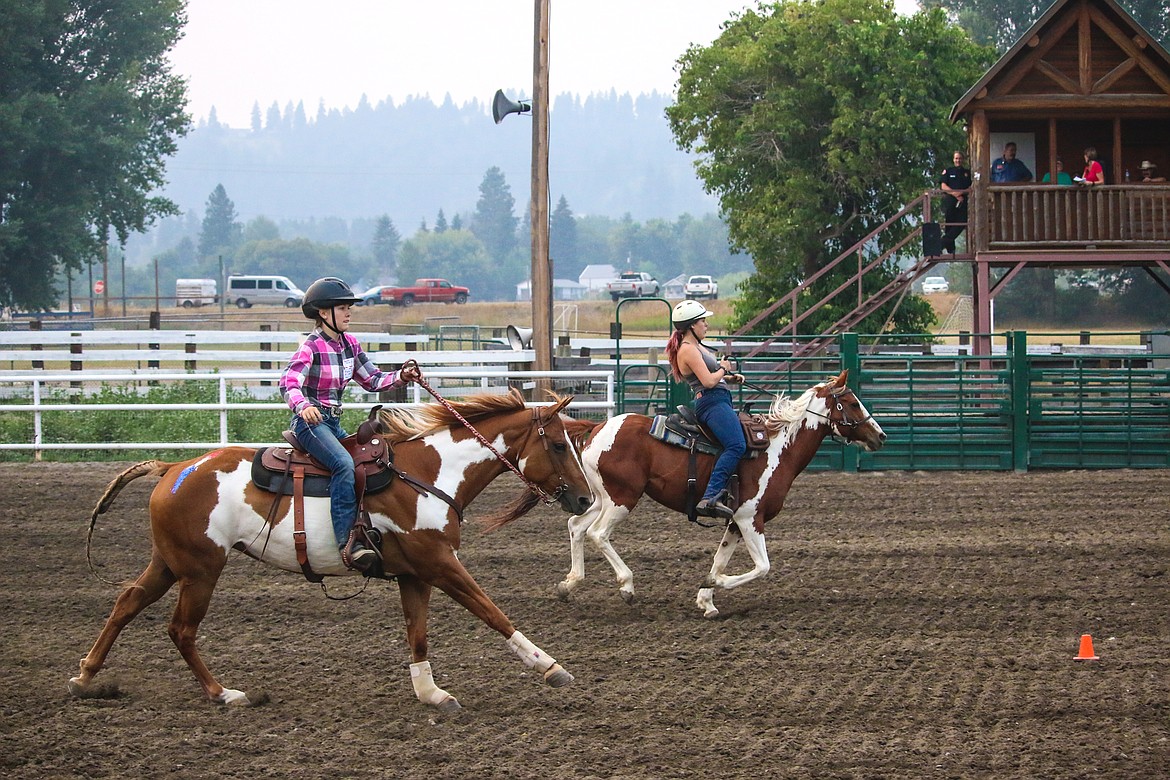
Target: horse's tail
x=513, y=510
x=155, y=468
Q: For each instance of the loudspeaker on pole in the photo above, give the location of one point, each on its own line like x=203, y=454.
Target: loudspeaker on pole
x=502, y=106
x=519, y=338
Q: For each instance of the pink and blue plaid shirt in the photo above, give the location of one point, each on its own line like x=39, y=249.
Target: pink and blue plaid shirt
x=320, y=369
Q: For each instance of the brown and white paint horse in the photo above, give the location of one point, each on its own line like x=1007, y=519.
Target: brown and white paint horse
x=623, y=462
x=205, y=507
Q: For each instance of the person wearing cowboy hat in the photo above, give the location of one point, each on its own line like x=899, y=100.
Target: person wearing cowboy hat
x=1147, y=169
x=312, y=385
x=691, y=361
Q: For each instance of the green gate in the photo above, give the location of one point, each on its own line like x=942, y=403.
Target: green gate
x=957, y=412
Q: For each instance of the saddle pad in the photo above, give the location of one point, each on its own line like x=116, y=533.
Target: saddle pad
x=661, y=428
x=270, y=480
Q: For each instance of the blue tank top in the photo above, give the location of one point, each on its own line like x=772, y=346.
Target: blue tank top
x=712, y=365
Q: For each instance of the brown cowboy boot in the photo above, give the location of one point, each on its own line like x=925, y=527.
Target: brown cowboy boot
x=355, y=554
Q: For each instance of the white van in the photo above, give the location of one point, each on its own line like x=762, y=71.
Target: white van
x=246, y=290
x=195, y=292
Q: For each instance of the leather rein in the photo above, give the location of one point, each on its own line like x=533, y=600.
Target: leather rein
x=540, y=492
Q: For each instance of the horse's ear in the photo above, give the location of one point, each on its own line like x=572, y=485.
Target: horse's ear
x=559, y=403
x=841, y=378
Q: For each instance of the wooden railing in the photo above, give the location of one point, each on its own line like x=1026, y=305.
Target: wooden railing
x=1043, y=216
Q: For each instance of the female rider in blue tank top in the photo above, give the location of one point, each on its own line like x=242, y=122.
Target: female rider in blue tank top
x=692, y=362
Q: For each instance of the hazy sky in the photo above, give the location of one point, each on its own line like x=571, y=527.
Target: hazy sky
x=239, y=52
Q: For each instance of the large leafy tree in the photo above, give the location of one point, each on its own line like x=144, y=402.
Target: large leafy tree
x=1000, y=23
x=815, y=121
x=89, y=111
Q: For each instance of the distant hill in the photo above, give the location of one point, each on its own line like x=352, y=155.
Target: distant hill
x=609, y=155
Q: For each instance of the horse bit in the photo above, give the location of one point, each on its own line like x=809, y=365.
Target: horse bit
x=540, y=492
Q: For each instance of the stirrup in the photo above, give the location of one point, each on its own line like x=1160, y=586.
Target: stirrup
x=357, y=554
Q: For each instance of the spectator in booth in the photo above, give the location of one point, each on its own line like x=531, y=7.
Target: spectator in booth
x=1148, y=170
x=955, y=183
x=1009, y=169
x=1094, y=174
x=1062, y=178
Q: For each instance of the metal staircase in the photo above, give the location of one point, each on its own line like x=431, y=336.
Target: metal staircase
x=898, y=287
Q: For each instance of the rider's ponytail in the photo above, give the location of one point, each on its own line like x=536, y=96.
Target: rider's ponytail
x=672, y=353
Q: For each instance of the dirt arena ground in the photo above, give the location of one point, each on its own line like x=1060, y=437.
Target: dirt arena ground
x=913, y=625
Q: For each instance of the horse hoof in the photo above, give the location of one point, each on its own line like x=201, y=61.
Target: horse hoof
x=234, y=698
x=449, y=706
x=627, y=596
x=557, y=677
x=563, y=591
x=711, y=613
x=104, y=690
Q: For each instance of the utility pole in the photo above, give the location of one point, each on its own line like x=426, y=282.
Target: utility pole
x=538, y=208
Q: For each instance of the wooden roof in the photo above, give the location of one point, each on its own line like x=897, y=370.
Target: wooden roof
x=1080, y=57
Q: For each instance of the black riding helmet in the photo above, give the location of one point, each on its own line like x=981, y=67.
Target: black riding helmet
x=325, y=294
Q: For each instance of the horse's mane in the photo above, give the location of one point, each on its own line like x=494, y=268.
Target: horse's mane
x=402, y=425
x=785, y=411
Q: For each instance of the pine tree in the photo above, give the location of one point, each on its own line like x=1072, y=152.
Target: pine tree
x=221, y=231
x=441, y=223
x=384, y=246
x=562, y=241
x=494, y=222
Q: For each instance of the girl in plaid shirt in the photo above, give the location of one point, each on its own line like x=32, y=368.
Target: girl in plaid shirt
x=312, y=385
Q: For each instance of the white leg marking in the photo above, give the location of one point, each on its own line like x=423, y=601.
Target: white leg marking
x=578, y=524
x=599, y=534
x=757, y=548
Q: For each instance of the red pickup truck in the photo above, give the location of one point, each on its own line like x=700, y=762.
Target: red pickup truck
x=426, y=291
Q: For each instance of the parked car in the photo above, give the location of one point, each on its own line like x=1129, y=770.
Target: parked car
x=935, y=284
x=701, y=287
x=426, y=291
x=633, y=284
x=379, y=293
x=246, y=290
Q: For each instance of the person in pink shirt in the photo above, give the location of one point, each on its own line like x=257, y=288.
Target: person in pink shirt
x=312, y=385
x=1094, y=173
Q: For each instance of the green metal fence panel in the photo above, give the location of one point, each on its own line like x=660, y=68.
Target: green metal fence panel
x=1089, y=415
x=938, y=413
x=1009, y=411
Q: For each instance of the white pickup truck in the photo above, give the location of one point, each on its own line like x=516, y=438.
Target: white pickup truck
x=633, y=284
x=701, y=287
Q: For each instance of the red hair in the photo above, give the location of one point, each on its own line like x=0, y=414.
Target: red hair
x=672, y=353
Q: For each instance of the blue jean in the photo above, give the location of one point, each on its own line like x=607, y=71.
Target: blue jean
x=714, y=411
x=322, y=442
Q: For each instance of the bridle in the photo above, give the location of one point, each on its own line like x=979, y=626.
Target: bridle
x=846, y=421
x=537, y=423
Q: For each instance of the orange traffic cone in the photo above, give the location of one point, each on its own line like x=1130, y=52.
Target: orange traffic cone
x=1086, y=650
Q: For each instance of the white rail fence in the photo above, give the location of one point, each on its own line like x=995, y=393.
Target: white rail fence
x=30, y=391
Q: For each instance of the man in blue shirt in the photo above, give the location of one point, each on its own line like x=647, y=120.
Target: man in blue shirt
x=1008, y=169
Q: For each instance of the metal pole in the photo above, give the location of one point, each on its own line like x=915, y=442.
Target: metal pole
x=538, y=208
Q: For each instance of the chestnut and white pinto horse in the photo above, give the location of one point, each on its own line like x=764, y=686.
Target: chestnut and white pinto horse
x=205, y=507
x=623, y=462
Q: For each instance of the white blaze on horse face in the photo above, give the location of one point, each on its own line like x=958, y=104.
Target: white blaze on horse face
x=455, y=458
